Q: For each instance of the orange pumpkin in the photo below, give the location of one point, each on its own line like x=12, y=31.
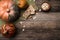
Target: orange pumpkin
x=8, y=10
x=22, y=3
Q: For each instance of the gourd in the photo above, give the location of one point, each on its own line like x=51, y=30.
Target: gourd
x=22, y=3
x=8, y=30
x=9, y=11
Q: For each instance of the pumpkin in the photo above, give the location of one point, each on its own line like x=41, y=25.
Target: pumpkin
x=22, y=3
x=9, y=11
x=8, y=30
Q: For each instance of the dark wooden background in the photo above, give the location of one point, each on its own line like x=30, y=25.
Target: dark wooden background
x=46, y=25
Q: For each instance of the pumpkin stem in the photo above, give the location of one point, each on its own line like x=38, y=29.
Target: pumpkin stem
x=5, y=31
x=8, y=11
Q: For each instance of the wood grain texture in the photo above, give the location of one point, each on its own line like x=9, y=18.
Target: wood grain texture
x=46, y=26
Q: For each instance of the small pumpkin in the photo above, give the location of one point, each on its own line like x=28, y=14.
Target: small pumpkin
x=8, y=30
x=9, y=11
x=22, y=3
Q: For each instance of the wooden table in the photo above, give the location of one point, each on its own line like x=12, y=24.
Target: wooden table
x=45, y=26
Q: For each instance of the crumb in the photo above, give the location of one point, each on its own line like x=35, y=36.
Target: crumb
x=39, y=10
x=21, y=22
x=23, y=29
x=34, y=17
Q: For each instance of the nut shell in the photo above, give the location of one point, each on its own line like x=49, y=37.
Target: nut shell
x=45, y=6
